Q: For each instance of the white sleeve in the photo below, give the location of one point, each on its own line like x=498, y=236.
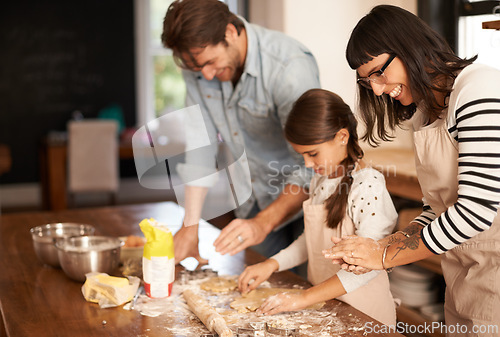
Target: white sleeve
x=351, y=281
x=293, y=255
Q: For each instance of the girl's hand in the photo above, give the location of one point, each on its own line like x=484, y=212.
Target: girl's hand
x=254, y=275
x=282, y=302
x=357, y=270
x=356, y=252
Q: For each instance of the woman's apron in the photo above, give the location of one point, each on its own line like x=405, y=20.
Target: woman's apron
x=472, y=269
x=375, y=298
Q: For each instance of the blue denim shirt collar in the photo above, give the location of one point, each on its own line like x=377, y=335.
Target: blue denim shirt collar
x=252, y=63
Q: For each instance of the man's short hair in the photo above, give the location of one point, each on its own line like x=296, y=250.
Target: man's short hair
x=192, y=24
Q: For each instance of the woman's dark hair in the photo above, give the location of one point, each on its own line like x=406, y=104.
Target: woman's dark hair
x=192, y=24
x=316, y=117
x=427, y=57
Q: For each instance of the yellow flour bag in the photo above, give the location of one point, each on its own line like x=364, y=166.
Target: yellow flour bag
x=158, y=263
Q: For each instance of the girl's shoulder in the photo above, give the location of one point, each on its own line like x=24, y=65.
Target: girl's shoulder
x=364, y=174
x=367, y=181
x=367, y=173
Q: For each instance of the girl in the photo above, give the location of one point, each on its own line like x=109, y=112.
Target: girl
x=406, y=69
x=345, y=197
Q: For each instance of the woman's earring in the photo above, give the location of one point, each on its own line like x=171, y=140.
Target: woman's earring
x=343, y=142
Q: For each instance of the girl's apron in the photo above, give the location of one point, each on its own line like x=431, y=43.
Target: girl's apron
x=472, y=269
x=375, y=298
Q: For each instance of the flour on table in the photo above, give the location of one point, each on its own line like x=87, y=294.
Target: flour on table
x=178, y=320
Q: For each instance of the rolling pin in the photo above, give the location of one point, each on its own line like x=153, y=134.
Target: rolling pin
x=212, y=320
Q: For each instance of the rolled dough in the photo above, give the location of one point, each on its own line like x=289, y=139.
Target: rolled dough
x=252, y=300
x=220, y=284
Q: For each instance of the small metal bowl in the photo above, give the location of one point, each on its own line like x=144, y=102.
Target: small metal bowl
x=45, y=236
x=131, y=253
x=84, y=254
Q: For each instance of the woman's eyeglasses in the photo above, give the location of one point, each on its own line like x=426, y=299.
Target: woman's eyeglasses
x=376, y=77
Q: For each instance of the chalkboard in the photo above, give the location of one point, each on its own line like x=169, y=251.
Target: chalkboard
x=57, y=57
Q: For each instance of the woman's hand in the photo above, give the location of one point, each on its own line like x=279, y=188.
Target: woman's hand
x=254, y=275
x=344, y=265
x=282, y=302
x=360, y=254
x=357, y=270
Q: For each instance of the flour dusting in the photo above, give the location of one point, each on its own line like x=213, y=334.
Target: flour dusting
x=178, y=319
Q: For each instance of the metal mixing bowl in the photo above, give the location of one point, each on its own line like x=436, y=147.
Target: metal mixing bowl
x=84, y=254
x=128, y=253
x=45, y=236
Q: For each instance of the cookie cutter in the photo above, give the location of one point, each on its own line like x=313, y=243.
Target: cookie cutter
x=293, y=332
x=257, y=329
x=258, y=325
x=184, y=276
x=187, y=275
x=210, y=272
x=246, y=332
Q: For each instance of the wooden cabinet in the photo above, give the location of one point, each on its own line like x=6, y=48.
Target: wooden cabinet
x=413, y=317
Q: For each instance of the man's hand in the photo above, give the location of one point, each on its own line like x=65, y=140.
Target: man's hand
x=186, y=244
x=240, y=234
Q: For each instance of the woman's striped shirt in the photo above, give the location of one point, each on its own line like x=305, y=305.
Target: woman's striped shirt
x=473, y=121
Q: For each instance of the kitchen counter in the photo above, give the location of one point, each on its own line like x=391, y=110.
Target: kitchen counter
x=38, y=300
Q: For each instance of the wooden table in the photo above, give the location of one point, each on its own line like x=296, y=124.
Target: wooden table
x=398, y=167
x=37, y=300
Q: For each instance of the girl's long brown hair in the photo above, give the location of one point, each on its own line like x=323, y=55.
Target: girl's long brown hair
x=316, y=117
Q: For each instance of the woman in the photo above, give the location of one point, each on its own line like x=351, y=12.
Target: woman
x=345, y=197
x=406, y=70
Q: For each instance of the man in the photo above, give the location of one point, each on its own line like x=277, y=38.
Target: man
x=246, y=79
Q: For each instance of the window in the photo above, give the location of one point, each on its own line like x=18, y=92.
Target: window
x=473, y=39
x=160, y=87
